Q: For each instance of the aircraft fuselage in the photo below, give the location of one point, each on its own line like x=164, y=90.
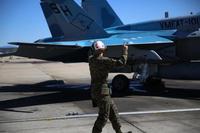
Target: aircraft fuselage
x=182, y=23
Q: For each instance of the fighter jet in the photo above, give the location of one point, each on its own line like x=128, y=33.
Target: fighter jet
x=166, y=48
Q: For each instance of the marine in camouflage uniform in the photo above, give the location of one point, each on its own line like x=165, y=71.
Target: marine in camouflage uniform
x=100, y=92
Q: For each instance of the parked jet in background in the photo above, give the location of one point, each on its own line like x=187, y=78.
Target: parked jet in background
x=157, y=49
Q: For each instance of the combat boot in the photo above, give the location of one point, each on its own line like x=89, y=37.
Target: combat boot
x=123, y=132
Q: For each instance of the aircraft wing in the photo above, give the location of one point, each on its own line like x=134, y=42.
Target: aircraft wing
x=115, y=40
x=77, y=51
x=137, y=40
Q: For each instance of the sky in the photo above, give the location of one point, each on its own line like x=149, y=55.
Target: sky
x=23, y=20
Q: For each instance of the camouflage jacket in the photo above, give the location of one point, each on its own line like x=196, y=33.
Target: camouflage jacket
x=99, y=69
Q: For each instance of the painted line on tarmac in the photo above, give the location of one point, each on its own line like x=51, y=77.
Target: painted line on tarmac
x=160, y=111
x=138, y=113
x=76, y=116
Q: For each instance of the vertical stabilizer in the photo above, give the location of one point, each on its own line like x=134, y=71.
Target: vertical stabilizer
x=102, y=12
x=67, y=19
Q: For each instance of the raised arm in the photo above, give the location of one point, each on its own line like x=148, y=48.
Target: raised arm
x=118, y=62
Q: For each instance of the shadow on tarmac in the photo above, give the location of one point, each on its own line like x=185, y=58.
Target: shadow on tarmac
x=58, y=92
x=53, y=94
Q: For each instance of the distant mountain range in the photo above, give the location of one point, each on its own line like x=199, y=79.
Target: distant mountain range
x=6, y=50
x=8, y=46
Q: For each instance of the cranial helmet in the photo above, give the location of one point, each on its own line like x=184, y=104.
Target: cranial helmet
x=98, y=45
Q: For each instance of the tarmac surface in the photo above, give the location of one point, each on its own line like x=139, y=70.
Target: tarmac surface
x=52, y=97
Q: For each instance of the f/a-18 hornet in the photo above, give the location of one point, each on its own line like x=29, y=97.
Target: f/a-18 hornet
x=166, y=48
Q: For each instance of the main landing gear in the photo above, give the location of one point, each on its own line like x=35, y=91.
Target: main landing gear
x=120, y=83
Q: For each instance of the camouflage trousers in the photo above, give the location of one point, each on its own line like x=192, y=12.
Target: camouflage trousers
x=107, y=110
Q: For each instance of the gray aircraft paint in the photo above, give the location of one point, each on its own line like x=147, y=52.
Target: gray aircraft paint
x=181, y=23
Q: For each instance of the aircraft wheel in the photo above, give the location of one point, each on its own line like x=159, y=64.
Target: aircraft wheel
x=120, y=83
x=154, y=85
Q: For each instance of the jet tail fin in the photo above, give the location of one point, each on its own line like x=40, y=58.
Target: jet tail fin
x=66, y=18
x=102, y=12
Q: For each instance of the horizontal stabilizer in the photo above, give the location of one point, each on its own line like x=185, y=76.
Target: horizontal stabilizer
x=43, y=44
x=53, y=52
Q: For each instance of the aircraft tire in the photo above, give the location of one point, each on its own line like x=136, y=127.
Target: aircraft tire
x=120, y=83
